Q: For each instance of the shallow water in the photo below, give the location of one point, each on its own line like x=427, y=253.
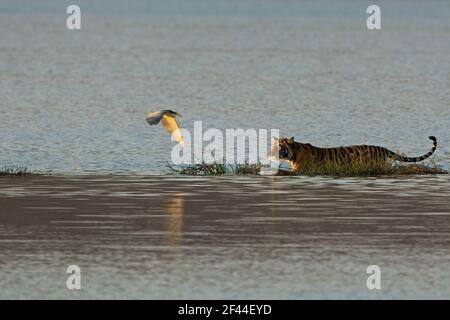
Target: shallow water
x=74, y=103
x=229, y=237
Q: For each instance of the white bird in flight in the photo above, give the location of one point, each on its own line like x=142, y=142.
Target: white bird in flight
x=167, y=117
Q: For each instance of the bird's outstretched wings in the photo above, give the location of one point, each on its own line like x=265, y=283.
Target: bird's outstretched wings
x=154, y=117
x=171, y=126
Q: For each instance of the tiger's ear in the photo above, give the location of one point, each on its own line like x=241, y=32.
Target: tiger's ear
x=291, y=140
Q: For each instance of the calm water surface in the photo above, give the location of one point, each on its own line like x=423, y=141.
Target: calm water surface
x=74, y=103
x=255, y=237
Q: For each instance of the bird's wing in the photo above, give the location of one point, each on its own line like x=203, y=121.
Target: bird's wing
x=154, y=117
x=171, y=126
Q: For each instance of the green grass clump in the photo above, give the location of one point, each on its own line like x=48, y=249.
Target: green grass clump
x=215, y=168
x=15, y=171
x=247, y=169
x=370, y=168
x=18, y=171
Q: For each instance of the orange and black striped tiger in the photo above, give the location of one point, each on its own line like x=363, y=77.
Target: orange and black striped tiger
x=301, y=154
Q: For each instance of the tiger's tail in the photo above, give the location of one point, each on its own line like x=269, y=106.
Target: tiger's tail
x=398, y=157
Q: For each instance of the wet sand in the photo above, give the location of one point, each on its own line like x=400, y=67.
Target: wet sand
x=224, y=237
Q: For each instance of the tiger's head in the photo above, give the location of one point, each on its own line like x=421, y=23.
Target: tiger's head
x=282, y=149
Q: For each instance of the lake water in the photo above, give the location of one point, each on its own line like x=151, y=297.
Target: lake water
x=73, y=103
x=229, y=237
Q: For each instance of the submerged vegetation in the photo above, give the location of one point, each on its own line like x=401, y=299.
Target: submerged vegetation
x=16, y=171
x=327, y=168
x=215, y=168
x=371, y=168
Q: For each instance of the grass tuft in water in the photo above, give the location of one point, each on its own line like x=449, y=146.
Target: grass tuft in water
x=16, y=171
x=215, y=168
x=371, y=168
x=326, y=168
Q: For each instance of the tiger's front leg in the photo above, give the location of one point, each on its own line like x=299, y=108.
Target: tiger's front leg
x=282, y=172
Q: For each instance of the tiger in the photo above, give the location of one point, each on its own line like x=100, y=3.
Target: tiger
x=300, y=154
